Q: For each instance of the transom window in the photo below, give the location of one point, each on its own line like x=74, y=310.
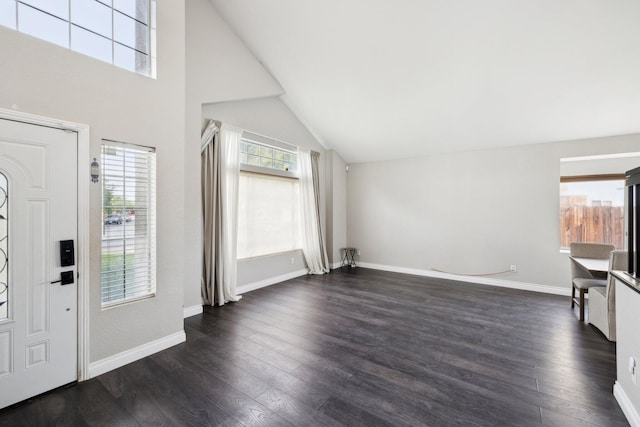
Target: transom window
x=268, y=157
x=120, y=32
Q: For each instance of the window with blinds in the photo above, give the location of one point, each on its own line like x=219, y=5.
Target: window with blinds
x=128, y=223
x=268, y=215
x=268, y=197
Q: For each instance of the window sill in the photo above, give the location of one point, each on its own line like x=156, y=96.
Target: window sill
x=120, y=303
x=258, y=257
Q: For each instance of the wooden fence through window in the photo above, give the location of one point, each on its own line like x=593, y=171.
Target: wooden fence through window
x=597, y=224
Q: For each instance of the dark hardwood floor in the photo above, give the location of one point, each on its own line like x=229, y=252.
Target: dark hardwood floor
x=359, y=348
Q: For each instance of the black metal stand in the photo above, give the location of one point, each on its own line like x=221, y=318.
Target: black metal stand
x=349, y=257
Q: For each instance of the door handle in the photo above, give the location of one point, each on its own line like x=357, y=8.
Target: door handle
x=66, y=278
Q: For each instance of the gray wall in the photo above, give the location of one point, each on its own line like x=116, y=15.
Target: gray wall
x=471, y=212
x=336, y=235
x=219, y=67
x=272, y=118
x=43, y=79
x=226, y=82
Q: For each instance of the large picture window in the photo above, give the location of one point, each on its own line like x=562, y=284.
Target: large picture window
x=268, y=215
x=268, y=200
x=592, y=210
x=129, y=223
x=121, y=32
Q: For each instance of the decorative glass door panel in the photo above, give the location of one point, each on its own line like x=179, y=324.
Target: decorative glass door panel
x=4, y=248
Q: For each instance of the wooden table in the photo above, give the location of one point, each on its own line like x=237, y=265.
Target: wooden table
x=597, y=267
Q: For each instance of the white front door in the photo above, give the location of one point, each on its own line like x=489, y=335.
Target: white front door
x=38, y=209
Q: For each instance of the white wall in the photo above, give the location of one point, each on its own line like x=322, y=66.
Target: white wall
x=219, y=67
x=628, y=345
x=336, y=206
x=471, y=212
x=43, y=79
x=272, y=118
x=599, y=166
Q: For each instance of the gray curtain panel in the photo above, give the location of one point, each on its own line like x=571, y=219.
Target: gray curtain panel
x=220, y=176
x=210, y=217
x=316, y=192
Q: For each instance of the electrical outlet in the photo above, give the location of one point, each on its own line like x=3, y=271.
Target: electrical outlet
x=513, y=267
x=358, y=252
x=293, y=260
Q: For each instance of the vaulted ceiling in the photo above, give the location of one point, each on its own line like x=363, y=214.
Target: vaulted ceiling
x=382, y=79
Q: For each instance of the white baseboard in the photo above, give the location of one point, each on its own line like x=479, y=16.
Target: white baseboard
x=335, y=265
x=270, y=281
x=555, y=290
x=117, y=360
x=192, y=311
x=625, y=404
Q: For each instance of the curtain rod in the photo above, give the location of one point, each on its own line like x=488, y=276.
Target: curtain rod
x=256, y=137
x=209, y=131
x=277, y=141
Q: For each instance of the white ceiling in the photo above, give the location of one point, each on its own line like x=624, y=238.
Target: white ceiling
x=382, y=79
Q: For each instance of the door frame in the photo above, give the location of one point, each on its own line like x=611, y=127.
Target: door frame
x=84, y=169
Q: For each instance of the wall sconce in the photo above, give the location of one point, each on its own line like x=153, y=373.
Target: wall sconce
x=95, y=170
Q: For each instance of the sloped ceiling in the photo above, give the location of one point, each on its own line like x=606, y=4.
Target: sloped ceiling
x=378, y=80
x=219, y=65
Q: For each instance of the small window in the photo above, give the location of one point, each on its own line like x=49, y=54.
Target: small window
x=128, y=223
x=268, y=199
x=268, y=158
x=592, y=210
x=122, y=34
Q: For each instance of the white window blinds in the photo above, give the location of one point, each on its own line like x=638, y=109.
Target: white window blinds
x=129, y=222
x=268, y=215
